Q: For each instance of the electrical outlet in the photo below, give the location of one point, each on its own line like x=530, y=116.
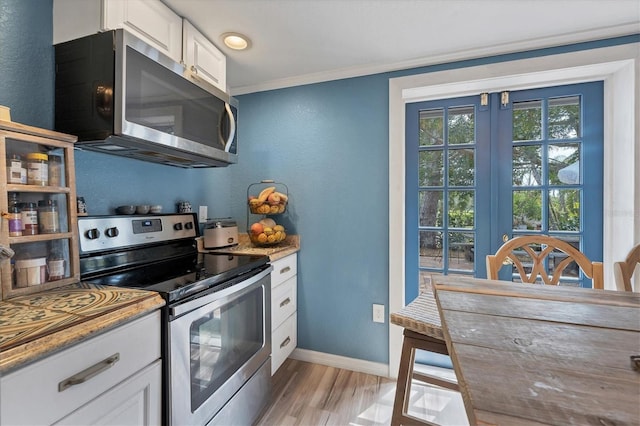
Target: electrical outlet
x=202, y=214
x=378, y=313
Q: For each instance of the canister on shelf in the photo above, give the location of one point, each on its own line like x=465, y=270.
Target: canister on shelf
x=48, y=217
x=55, y=170
x=16, y=170
x=29, y=219
x=55, y=261
x=31, y=272
x=37, y=169
x=14, y=218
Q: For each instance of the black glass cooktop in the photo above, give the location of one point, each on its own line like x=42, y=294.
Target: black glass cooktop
x=182, y=277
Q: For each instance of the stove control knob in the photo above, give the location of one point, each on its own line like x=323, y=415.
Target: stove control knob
x=188, y=225
x=177, y=226
x=92, y=234
x=111, y=232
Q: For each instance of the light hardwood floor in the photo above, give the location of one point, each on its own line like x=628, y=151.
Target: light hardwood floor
x=310, y=394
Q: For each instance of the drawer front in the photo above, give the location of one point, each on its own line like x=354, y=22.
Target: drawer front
x=283, y=341
x=32, y=394
x=283, y=269
x=283, y=301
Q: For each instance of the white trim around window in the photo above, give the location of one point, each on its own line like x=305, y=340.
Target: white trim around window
x=617, y=66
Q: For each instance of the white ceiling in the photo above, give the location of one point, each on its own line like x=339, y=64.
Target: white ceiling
x=306, y=41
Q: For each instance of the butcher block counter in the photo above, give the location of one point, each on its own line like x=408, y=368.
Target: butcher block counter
x=290, y=245
x=34, y=326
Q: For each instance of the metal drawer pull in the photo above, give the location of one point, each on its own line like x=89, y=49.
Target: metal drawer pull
x=285, y=269
x=285, y=342
x=285, y=302
x=90, y=372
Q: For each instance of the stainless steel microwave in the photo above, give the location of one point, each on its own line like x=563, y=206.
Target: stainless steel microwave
x=121, y=96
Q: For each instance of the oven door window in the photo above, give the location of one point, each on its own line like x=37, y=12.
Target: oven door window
x=222, y=341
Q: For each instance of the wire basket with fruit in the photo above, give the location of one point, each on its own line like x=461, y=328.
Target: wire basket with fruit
x=266, y=232
x=270, y=200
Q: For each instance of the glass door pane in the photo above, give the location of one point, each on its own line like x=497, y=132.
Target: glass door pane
x=445, y=159
x=552, y=134
x=476, y=173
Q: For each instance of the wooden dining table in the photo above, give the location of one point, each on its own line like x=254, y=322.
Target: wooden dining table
x=527, y=354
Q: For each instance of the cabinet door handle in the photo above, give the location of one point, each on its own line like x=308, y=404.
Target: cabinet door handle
x=285, y=269
x=88, y=373
x=285, y=342
x=285, y=302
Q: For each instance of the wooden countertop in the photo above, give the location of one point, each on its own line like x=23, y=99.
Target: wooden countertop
x=542, y=354
x=37, y=325
x=290, y=245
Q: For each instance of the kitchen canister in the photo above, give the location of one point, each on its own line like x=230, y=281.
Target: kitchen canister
x=55, y=170
x=184, y=207
x=55, y=261
x=14, y=217
x=30, y=272
x=48, y=217
x=37, y=169
x=16, y=170
x=29, y=213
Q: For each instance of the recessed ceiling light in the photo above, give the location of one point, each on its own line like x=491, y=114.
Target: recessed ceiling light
x=236, y=41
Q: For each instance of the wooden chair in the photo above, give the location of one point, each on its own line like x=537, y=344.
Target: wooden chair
x=549, y=248
x=624, y=270
x=422, y=330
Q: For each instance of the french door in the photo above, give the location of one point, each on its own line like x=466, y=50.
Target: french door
x=483, y=168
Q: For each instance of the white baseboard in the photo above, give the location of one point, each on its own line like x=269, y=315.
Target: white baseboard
x=343, y=362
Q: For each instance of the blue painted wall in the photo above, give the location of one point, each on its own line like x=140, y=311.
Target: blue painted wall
x=327, y=142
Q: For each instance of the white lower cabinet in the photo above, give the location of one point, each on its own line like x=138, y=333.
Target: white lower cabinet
x=133, y=402
x=113, y=378
x=284, y=324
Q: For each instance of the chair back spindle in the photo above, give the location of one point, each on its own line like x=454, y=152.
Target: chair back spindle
x=539, y=250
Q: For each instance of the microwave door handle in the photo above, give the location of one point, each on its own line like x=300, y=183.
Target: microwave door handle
x=232, y=127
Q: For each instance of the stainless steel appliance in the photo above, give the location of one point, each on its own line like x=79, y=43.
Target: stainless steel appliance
x=217, y=321
x=220, y=233
x=121, y=96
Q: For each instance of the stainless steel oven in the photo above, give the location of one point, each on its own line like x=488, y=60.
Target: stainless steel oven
x=218, y=342
x=217, y=320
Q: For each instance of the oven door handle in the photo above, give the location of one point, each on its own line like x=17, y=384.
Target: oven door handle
x=183, y=308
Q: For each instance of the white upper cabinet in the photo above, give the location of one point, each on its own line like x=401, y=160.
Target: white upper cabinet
x=202, y=57
x=149, y=20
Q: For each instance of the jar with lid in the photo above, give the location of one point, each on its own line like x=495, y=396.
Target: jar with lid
x=48, y=217
x=56, y=261
x=16, y=170
x=14, y=217
x=55, y=170
x=29, y=213
x=30, y=271
x=37, y=169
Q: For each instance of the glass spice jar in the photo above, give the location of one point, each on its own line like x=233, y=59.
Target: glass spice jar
x=37, y=169
x=15, y=221
x=29, y=219
x=48, y=217
x=55, y=170
x=56, y=261
x=16, y=171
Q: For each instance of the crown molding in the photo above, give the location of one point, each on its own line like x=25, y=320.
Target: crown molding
x=499, y=49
